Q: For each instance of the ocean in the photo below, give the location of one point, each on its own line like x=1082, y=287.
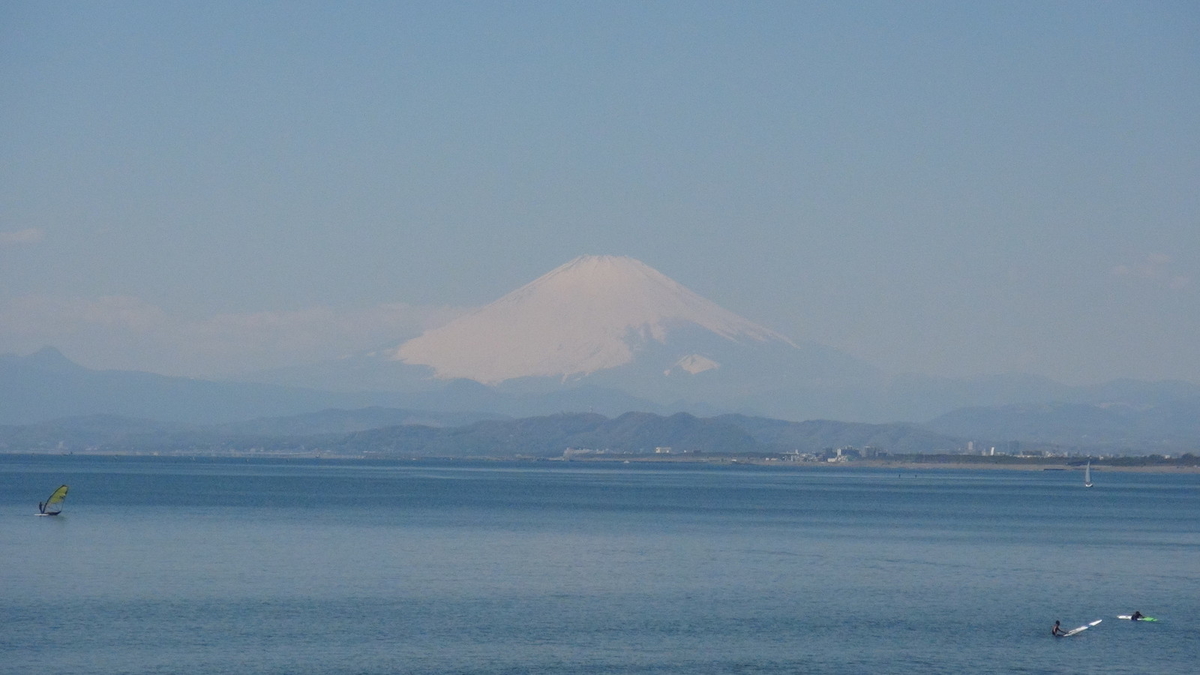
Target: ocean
x=172, y=565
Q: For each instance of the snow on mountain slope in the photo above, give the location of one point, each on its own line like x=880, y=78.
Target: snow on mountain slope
x=593, y=313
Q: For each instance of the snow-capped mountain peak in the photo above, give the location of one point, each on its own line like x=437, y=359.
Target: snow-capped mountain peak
x=591, y=314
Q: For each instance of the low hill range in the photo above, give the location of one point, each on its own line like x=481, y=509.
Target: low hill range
x=644, y=433
x=371, y=432
x=114, y=433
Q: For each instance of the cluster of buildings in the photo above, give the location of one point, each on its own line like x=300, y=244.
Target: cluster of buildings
x=847, y=453
x=1009, y=448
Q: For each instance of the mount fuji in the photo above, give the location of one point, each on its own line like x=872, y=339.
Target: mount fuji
x=617, y=323
x=591, y=314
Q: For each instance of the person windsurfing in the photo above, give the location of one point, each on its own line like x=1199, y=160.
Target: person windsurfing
x=53, y=505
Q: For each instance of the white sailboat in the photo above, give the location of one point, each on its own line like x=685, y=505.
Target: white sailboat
x=1087, y=475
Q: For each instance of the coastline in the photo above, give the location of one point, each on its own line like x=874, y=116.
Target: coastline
x=895, y=462
x=911, y=464
x=1101, y=468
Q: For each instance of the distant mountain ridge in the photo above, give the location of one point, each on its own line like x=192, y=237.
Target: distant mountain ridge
x=610, y=335
x=1122, y=416
x=1169, y=426
x=46, y=385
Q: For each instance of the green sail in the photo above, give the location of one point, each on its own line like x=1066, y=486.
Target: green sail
x=54, y=504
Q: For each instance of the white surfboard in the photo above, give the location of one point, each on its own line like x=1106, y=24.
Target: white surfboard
x=1077, y=631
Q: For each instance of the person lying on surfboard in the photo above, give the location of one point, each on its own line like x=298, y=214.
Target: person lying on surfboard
x=1057, y=631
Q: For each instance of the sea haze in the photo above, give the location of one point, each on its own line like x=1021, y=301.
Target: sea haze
x=217, y=566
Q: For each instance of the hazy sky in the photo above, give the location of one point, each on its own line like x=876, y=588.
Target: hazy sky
x=944, y=188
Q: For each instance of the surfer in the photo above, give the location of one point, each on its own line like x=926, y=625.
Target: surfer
x=1135, y=616
x=1057, y=631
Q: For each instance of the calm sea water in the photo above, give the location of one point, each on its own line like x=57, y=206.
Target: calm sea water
x=234, y=566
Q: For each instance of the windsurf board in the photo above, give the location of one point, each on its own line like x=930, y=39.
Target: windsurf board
x=1077, y=631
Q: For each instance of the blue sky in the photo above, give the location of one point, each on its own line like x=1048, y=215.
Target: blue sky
x=944, y=188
